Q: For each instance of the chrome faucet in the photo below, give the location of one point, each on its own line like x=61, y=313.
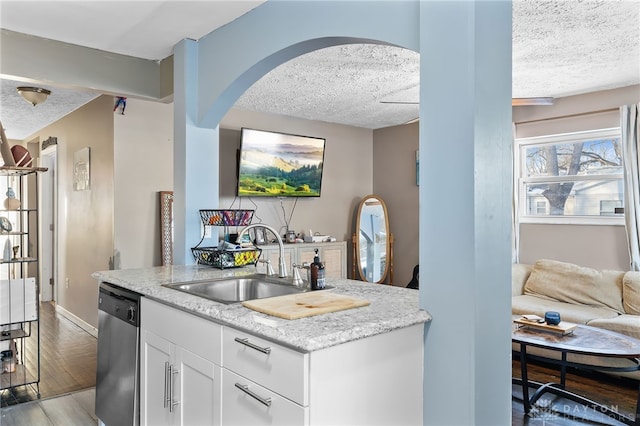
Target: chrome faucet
x=298, y=281
x=282, y=267
x=270, y=271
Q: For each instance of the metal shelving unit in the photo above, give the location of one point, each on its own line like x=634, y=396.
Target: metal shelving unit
x=19, y=278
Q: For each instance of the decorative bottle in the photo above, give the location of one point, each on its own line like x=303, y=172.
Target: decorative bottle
x=317, y=273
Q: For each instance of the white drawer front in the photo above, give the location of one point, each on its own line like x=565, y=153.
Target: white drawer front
x=280, y=369
x=247, y=403
x=193, y=333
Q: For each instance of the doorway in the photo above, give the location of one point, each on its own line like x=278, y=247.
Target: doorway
x=48, y=228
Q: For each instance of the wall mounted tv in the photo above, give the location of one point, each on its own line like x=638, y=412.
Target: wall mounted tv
x=273, y=164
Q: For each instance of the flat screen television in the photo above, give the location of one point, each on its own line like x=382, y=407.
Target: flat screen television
x=273, y=164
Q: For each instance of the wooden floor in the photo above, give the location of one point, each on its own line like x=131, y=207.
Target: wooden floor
x=619, y=393
x=67, y=356
x=71, y=409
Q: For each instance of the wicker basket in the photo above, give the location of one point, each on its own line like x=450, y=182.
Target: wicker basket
x=212, y=256
x=226, y=217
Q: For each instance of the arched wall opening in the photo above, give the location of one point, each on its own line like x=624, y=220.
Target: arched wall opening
x=212, y=73
x=465, y=74
x=214, y=112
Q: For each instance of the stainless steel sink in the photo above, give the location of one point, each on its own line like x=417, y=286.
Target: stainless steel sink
x=238, y=289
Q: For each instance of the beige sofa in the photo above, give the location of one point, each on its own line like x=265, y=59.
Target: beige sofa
x=600, y=298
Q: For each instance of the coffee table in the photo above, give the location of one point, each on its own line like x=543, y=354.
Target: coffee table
x=583, y=340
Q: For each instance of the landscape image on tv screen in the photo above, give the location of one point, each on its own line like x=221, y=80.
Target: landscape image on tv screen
x=279, y=165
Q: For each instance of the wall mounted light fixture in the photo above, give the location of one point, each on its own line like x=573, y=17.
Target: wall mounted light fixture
x=33, y=95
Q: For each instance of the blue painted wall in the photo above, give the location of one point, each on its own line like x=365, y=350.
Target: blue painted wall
x=465, y=143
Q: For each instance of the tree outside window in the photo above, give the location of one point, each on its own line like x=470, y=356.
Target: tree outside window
x=574, y=174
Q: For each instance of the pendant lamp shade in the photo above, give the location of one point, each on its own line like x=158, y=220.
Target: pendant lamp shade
x=33, y=95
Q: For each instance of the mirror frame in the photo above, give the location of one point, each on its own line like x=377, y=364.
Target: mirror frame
x=356, y=242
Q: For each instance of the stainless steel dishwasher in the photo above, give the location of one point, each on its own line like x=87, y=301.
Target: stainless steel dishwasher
x=118, y=376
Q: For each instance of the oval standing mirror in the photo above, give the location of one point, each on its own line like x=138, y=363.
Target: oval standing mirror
x=372, y=242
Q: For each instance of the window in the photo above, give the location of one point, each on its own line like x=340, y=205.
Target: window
x=573, y=177
x=541, y=207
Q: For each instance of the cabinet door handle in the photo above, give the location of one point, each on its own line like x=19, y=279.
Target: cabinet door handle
x=245, y=389
x=166, y=384
x=172, y=403
x=246, y=342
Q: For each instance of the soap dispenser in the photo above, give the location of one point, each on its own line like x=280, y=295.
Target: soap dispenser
x=317, y=273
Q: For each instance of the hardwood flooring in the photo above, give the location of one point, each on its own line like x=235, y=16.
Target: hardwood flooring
x=71, y=409
x=67, y=357
x=68, y=360
x=619, y=393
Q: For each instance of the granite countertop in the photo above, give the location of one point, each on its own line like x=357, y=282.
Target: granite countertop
x=391, y=307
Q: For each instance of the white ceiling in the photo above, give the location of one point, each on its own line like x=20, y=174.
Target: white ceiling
x=560, y=48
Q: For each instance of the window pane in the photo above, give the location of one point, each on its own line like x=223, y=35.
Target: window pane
x=586, y=158
x=574, y=198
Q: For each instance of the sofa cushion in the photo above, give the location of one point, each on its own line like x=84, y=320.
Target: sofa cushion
x=624, y=324
x=570, y=312
x=519, y=274
x=631, y=292
x=566, y=282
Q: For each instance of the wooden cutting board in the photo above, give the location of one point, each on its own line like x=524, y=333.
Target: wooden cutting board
x=294, y=306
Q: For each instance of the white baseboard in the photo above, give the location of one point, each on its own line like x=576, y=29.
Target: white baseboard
x=77, y=321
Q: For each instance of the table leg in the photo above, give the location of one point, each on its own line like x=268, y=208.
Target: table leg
x=563, y=370
x=637, y=419
x=524, y=378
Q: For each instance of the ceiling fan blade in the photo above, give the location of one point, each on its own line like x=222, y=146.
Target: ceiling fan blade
x=514, y=102
x=531, y=101
x=400, y=102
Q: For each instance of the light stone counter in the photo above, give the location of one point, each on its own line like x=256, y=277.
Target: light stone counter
x=391, y=307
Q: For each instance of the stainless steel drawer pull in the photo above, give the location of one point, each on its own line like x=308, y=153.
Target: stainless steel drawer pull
x=172, y=403
x=245, y=389
x=166, y=384
x=246, y=342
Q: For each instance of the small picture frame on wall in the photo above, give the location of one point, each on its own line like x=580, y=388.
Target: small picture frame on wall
x=82, y=170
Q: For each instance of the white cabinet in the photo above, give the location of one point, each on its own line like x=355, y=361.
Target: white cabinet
x=271, y=252
x=333, y=255
x=262, y=383
x=245, y=402
x=195, y=371
x=180, y=380
x=271, y=365
x=372, y=381
x=155, y=353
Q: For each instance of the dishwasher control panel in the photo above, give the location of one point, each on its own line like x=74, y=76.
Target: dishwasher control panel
x=119, y=303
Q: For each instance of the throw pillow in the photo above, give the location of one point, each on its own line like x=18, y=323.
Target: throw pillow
x=566, y=282
x=631, y=292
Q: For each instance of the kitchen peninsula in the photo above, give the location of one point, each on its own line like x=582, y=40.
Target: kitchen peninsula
x=227, y=364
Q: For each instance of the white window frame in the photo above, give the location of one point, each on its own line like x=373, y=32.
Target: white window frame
x=566, y=138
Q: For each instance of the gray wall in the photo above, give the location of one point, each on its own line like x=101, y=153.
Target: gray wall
x=347, y=175
x=597, y=246
x=85, y=218
x=394, y=179
x=143, y=166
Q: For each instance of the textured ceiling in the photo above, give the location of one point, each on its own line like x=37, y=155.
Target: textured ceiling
x=560, y=48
